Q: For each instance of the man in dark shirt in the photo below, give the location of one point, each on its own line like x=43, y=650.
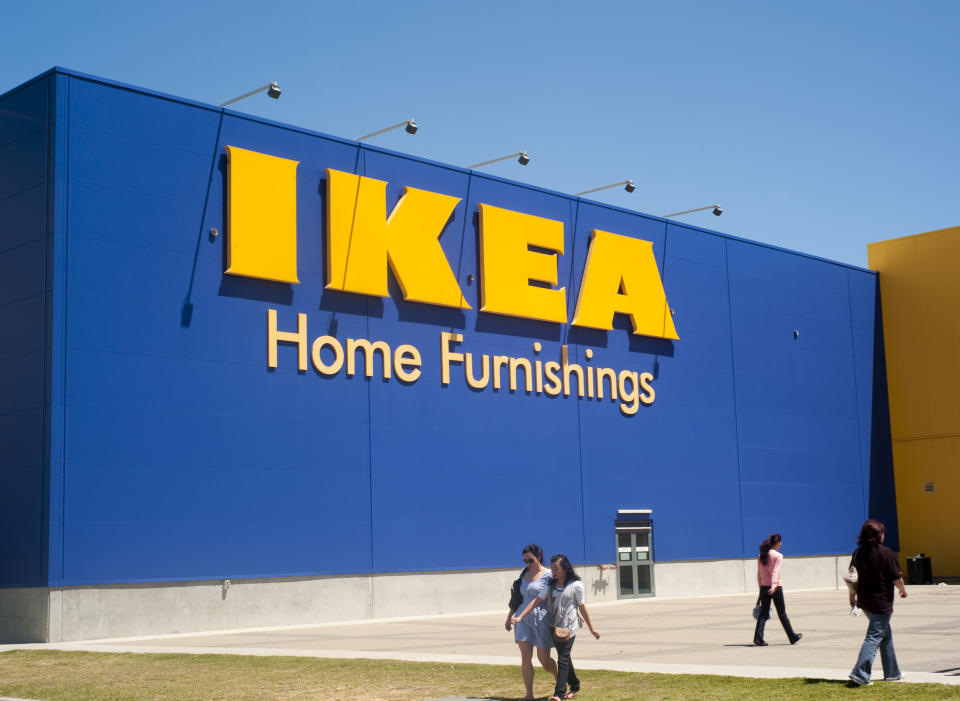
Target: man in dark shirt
x=877, y=575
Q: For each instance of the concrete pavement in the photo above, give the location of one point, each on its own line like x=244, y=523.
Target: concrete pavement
x=702, y=635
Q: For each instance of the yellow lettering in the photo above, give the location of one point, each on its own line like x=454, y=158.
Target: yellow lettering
x=334, y=344
x=632, y=396
x=368, y=350
x=527, y=370
x=447, y=356
x=508, y=265
x=538, y=365
x=649, y=395
x=404, y=358
x=484, y=378
x=363, y=241
x=621, y=276
x=611, y=375
x=568, y=368
x=551, y=369
x=499, y=361
x=274, y=337
x=261, y=216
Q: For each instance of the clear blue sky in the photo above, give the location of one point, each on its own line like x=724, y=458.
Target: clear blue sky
x=818, y=126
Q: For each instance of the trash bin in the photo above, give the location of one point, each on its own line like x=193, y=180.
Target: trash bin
x=919, y=570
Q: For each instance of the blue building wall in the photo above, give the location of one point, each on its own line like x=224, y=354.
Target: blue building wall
x=176, y=453
x=26, y=128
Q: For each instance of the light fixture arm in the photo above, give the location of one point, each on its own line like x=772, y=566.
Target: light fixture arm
x=714, y=207
x=628, y=183
x=272, y=87
x=408, y=123
x=524, y=159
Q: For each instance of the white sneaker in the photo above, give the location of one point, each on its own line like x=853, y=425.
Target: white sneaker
x=860, y=682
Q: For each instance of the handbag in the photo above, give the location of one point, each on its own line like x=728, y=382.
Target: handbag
x=516, y=596
x=756, y=611
x=851, y=576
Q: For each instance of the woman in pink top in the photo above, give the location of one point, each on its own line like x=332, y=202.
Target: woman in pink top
x=768, y=577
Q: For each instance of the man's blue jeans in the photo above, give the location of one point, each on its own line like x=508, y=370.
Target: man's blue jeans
x=880, y=636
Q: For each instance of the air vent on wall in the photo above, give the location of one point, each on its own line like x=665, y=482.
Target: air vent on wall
x=928, y=487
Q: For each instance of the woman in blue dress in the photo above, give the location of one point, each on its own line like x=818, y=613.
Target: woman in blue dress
x=534, y=630
x=564, y=595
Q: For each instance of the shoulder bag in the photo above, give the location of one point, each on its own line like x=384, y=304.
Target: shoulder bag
x=516, y=596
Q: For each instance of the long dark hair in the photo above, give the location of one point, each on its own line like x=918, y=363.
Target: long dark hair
x=566, y=567
x=774, y=539
x=534, y=550
x=871, y=533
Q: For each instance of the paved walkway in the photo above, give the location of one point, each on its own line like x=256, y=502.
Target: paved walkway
x=704, y=635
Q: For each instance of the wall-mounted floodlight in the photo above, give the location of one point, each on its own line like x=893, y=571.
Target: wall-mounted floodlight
x=715, y=207
x=522, y=159
x=408, y=125
x=273, y=90
x=627, y=185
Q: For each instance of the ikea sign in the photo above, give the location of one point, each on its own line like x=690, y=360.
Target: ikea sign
x=518, y=258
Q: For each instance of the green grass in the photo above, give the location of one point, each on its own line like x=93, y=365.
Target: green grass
x=71, y=676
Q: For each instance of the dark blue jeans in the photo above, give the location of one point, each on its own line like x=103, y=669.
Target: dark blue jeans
x=565, y=670
x=879, y=636
x=777, y=598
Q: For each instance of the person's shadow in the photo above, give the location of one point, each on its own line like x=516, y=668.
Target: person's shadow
x=832, y=682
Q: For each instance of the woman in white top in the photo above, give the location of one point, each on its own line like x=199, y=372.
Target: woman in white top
x=565, y=600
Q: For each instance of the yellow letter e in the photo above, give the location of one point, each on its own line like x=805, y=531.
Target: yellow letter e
x=508, y=265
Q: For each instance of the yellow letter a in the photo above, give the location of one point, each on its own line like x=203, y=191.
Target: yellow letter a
x=621, y=276
x=362, y=241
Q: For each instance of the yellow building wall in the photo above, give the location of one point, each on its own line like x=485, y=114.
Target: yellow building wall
x=920, y=298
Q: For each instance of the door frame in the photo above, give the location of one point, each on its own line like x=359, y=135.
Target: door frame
x=634, y=521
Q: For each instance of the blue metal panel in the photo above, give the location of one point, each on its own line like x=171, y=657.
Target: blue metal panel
x=140, y=120
x=161, y=523
x=20, y=167
x=24, y=158
x=24, y=114
x=21, y=216
x=796, y=398
x=56, y=323
x=688, y=436
x=453, y=466
x=185, y=457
